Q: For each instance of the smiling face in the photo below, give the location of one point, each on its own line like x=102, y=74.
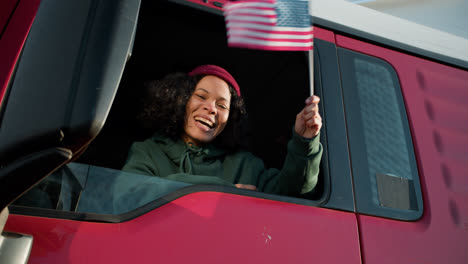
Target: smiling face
x=207, y=111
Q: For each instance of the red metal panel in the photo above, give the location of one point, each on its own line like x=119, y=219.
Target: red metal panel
x=217, y=4
x=13, y=39
x=435, y=96
x=324, y=34
x=206, y=227
x=6, y=8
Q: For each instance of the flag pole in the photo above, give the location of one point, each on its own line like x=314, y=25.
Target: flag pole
x=311, y=56
x=311, y=71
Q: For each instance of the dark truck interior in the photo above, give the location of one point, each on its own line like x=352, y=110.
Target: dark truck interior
x=172, y=37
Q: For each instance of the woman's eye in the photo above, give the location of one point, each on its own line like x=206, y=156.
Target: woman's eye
x=222, y=106
x=201, y=96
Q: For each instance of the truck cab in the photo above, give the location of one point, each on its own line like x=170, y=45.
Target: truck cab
x=392, y=183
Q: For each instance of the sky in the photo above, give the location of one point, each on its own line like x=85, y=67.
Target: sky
x=445, y=15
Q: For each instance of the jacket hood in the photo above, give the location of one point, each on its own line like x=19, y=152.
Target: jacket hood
x=185, y=155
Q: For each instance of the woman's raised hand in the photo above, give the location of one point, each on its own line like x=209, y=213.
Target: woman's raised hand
x=309, y=121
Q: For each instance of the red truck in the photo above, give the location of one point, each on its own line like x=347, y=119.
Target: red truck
x=393, y=186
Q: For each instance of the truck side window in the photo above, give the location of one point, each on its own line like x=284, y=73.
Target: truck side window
x=384, y=168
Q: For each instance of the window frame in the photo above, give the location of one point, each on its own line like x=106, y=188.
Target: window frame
x=337, y=179
x=361, y=182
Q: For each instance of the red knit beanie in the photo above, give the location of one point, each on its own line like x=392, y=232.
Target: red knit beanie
x=218, y=72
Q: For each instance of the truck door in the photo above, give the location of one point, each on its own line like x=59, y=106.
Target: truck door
x=208, y=224
x=406, y=119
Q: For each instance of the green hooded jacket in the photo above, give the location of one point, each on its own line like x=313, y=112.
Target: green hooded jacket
x=175, y=160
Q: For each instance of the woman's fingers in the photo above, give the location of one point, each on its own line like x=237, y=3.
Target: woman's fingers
x=308, y=121
x=311, y=105
x=310, y=114
x=312, y=100
x=315, y=121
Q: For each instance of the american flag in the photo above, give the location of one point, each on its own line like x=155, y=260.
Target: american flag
x=269, y=24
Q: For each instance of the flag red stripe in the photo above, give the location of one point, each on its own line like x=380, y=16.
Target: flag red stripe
x=251, y=22
x=255, y=15
x=275, y=30
x=271, y=39
x=235, y=8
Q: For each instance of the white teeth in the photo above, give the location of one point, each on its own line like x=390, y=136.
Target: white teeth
x=205, y=121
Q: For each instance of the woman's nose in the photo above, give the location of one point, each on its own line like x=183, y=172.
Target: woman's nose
x=210, y=107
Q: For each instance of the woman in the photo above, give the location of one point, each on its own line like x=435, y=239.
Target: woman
x=198, y=118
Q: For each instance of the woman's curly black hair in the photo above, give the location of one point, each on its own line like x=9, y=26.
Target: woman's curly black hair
x=165, y=103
